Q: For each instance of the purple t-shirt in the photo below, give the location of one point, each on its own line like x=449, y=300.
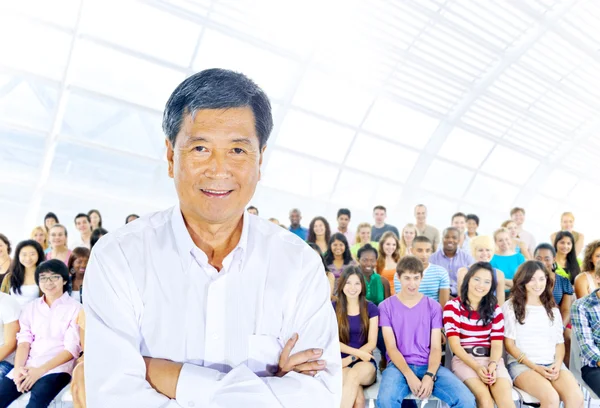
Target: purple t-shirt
x=357, y=340
x=412, y=326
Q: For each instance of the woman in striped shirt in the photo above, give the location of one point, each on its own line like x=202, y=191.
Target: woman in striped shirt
x=475, y=329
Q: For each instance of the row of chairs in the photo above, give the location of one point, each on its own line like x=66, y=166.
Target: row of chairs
x=520, y=397
x=65, y=400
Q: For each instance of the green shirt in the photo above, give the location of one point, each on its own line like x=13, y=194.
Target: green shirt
x=375, y=291
x=560, y=270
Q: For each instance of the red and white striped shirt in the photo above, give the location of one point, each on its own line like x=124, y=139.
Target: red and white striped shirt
x=472, y=332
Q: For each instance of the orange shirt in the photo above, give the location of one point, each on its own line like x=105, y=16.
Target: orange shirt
x=389, y=275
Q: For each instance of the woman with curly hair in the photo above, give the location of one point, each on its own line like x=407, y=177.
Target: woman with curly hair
x=475, y=326
x=534, y=341
x=319, y=233
x=585, y=282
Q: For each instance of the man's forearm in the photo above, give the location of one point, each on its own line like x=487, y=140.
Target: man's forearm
x=62, y=357
x=399, y=361
x=435, y=357
x=163, y=375
x=22, y=354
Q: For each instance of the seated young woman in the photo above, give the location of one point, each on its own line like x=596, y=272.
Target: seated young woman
x=48, y=341
x=533, y=339
x=475, y=330
x=358, y=322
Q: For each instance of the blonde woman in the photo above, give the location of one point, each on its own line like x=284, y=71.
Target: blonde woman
x=363, y=237
x=389, y=256
x=518, y=245
x=409, y=232
x=482, y=250
x=567, y=221
x=506, y=258
x=40, y=235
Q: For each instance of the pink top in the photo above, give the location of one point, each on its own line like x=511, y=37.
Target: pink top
x=50, y=330
x=49, y=256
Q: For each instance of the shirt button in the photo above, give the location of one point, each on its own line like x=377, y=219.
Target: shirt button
x=215, y=336
x=191, y=404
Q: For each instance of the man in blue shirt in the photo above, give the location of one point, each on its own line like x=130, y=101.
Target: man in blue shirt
x=295, y=227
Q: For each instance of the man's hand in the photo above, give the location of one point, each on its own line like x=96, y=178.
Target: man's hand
x=414, y=384
x=33, y=374
x=19, y=376
x=304, y=362
x=426, y=388
x=163, y=375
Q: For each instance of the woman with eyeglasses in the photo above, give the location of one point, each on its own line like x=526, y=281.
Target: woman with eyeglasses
x=48, y=341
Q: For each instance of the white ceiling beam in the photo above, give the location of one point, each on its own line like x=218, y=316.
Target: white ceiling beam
x=409, y=194
x=52, y=138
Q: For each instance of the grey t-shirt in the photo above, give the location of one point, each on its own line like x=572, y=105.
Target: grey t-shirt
x=376, y=233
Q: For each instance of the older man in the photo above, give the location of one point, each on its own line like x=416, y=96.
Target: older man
x=199, y=305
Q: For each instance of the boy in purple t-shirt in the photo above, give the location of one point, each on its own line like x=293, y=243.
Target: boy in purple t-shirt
x=412, y=330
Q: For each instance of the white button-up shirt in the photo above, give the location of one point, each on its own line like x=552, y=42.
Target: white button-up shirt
x=151, y=292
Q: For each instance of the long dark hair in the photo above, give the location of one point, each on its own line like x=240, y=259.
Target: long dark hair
x=312, y=237
x=79, y=252
x=572, y=265
x=338, y=236
x=318, y=251
x=487, y=305
x=90, y=212
x=341, y=306
x=518, y=292
x=17, y=276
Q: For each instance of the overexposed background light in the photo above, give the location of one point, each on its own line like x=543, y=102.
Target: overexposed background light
x=466, y=105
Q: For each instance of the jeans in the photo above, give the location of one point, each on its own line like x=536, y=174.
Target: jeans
x=448, y=388
x=42, y=393
x=591, y=376
x=5, y=368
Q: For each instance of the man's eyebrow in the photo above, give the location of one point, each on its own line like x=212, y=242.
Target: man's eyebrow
x=201, y=139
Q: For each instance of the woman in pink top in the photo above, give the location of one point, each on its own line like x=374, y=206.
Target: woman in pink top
x=48, y=341
x=58, y=243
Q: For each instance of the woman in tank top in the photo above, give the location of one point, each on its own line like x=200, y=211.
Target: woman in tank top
x=585, y=283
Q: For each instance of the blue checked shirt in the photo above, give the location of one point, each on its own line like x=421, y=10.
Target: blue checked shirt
x=585, y=317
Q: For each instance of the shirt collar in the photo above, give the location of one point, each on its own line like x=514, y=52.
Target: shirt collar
x=594, y=297
x=186, y=246
x=65, y=295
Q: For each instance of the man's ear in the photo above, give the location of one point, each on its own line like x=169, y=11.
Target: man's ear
x=260, y=161
x=170, y=154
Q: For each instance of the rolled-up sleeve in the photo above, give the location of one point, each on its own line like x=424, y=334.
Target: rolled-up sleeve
x=25, y=335
x=308, y=313
x=72, y=341
x=115, y=372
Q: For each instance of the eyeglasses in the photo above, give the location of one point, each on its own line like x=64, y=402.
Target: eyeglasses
x=51, y=278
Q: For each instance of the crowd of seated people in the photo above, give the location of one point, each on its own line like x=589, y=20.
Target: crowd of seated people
x=498, y=294
x=41, y=315
x=506, y=308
